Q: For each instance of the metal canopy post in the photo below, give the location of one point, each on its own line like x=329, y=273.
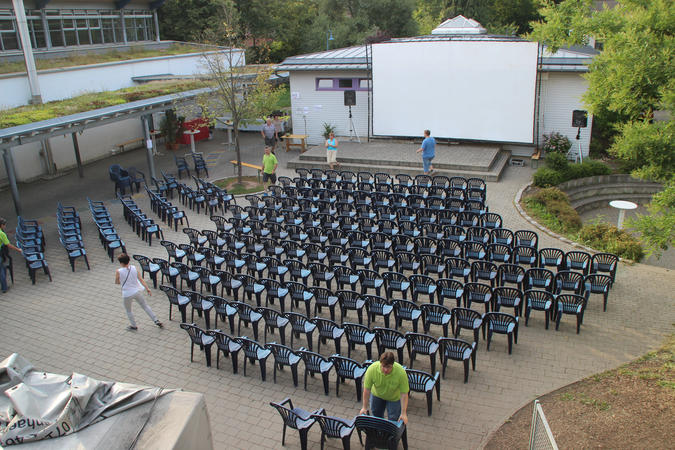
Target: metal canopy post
x=148, y=151
x=9, y=167
x=24, y=36
x=76, y=145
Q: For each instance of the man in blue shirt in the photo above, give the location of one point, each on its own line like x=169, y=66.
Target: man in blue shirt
x=428, y=150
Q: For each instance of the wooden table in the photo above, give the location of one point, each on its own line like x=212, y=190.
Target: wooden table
x=302, y=144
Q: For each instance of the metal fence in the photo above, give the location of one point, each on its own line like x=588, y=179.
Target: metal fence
x=541, y=437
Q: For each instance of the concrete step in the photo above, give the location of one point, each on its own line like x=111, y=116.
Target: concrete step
x=601, y=201
x=491, y=174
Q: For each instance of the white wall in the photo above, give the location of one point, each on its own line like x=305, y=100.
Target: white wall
x=332, y=109
x=59, y=84
x=563, y=95
x=94, y=143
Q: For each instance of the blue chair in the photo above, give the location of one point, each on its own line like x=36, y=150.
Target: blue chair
x=120, y=177
x=382, y=433
x=297, y=419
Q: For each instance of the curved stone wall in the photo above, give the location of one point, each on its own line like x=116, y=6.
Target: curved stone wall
x=596, y=192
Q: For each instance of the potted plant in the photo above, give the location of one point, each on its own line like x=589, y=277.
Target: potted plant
x=169, y=128
x=327, y=129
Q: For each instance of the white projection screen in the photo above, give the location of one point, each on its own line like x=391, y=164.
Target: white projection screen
x=473, y=90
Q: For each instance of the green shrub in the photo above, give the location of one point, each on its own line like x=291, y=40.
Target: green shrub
x=555, y=142
x=552, y=206
x=557, y=161
x=545, y=177
x=26, y=117
x=608, y=238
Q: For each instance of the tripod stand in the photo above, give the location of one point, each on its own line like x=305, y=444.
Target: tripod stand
x=571, y=154
x=352, y=128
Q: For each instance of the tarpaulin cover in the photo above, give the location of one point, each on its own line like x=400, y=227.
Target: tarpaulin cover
x=35, y=405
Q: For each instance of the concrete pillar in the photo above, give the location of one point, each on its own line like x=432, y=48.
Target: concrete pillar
x=24, y=37
x=45, y=27
x=154, y=16
x=49, y=158
x=76, y=146
x=124, y=26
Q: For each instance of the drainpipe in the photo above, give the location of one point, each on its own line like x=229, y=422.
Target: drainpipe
x=24, y=36
x=9, y=167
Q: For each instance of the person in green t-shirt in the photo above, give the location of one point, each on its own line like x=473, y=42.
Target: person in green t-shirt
x=386, y=387
x=269, y=168
x=5, y=245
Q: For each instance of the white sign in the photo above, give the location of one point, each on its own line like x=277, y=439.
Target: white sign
x=317, y=108
x=148, y=143
x=295, y=95
x=305, y=110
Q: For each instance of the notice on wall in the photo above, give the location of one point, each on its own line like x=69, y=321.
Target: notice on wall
x=305, y=110
x=317, y=108
x=295, y=95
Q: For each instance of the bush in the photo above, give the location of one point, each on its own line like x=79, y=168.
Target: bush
x=26, y=117
x=556, y=210
x=608, y=238
x=557, y=162
x=545, y=177
x=555, y=142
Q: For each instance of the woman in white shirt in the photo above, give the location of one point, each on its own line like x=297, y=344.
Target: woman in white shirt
x=132, y=289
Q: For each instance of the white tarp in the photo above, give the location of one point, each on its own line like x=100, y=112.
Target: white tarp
x=36, y=405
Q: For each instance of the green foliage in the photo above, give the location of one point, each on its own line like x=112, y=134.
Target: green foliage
x=558, y=170
x=517, y=14
x=26, y=117
x=609, y=239
x=555, y=142
x=168, y=126
x=478, y=10
x=328, y=129
x=552, y=207
x=545, y=177
x=661, y=217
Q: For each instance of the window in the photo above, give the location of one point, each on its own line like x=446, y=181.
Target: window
x=342, y=84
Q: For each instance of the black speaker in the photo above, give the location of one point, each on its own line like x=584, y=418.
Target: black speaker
x=579, y=119
x=350, y=98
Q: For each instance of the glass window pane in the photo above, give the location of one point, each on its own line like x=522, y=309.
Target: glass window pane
x=96, y=37
x=55, y=33
x=10, y=41
x=108, y=35
x=324, y=83
x=6, y=25
x=363, y=83
x=94, y=23
x=345, y=82
x=84, y=37
x=81, y=23
x=71, y=38
x=118, y=30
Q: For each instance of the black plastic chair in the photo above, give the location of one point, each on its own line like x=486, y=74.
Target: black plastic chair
x=501, y=323
x=200, y=164
x=227, y=345
x=381, y=433
x=335, y=427
x=436, y=315
x=378, y=306
x=348, y=369
x=295, y=418
x=421, y=344
x=406, y=310
x=526, y=238
x=181, y=165
x=315, y=363
x=468, y=319
x=552, y=257
x=458, y=350
x=508, y=297
x=358, y=334
x=388, y=339
x=539, y=301
x=420, y=381
x=596, y=283
x=605, y=263
x=578, y=261
x=200, y=338
x=284, y=356
x=177, y=298
x=571, y=304
x=510, y=274
x=328, y=329
x=300, y=324
x=253, y=351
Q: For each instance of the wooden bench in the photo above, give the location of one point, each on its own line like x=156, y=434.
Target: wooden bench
x=252, y=166
x=535, y=157
x=120, y=147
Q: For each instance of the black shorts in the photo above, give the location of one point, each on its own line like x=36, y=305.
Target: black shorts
x=269, y=177
x=270, y=142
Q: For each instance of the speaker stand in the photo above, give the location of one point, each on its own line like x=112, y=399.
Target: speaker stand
x=352, y=128
x=576, y=156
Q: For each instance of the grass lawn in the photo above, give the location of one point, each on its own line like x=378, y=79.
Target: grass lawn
x=250, y=185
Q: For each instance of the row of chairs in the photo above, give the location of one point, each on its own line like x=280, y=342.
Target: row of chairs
x=144, y=227
x=167, y=212
x=30, y=239
x=70, y=234
x=107, y=233
x=380, y=433
x=315, y=363
x=384, y=178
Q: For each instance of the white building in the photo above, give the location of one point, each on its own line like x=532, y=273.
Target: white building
x=459, y=82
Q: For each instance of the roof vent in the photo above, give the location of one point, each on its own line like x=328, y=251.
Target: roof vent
x=459, y=25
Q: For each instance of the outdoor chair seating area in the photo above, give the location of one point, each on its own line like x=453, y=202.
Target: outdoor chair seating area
x=107, y=233
x=30, y=239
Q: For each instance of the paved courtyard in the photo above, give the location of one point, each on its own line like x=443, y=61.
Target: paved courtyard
x=77, y=324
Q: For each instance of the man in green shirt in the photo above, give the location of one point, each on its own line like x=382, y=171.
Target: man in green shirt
x=269, y=167
x=386, y=387
x=4, y=246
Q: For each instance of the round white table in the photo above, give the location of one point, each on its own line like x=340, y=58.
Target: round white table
x=622, y=206
x=192, y=138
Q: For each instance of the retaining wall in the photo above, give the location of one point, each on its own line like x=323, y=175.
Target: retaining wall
x=596, y=192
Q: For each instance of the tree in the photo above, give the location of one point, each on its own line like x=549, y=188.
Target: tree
x=239, y=91
x=184, y=20
x=632, y=77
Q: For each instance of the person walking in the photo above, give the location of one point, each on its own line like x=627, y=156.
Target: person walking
x=270, y=164
x=269, y=132
x=386, y=387
x=132, y=289
x=4, y=251
x=428, y=150
x=331, y=150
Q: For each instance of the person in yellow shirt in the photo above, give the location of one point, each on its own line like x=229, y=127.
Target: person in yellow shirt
x=270, y=164
x=386, y=387
x=4, y=251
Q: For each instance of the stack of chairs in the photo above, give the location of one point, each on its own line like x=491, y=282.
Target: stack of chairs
x=30, y=239
x=144, y=227
x=109, y=237
x=70, y=234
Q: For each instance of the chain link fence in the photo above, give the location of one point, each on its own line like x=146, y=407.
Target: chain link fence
x=541, y=437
